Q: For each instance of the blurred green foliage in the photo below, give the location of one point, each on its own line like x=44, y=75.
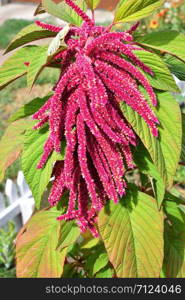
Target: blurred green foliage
x=7, y=248
x=4, y=273
x=9, y=29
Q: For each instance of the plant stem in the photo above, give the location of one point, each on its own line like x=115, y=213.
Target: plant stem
x=182, y=163
x=93, y=16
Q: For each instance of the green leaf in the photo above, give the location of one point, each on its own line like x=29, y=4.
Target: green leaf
x=69, y=232
x=175, y=215
x=38, y=179
x=170, y=197
x=63, y=11
x=183, y=138
x=11, y=144
x=162, y=79
x=97, y=260
x=132, y=232
x=29, y=108
x=29, y=34
x=52, y=8
x=132, y=10
x=101, y=261
x=176, y=66
x=171, y=42
x=89, y=243
x=106, y=272
x=145, y=165
x=14, y=66
x=71, y=15
x=174, y=261
x=164, y=150
x=36, y=253
x=182, y=207
x=92, y=4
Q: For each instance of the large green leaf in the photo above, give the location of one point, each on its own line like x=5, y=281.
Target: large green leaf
x=92, y=4
x=171, y=42
x=11, y=144
x=162, y=79
x=29, y=108
x=14, y=66
x=132, y=232
x=69, y=232
x=37, y=179
x=145, y=165
x=63, y=11
x=36, y=253
x=132, y=10
x=174, y=261
x=28, y=34
x=164, y=150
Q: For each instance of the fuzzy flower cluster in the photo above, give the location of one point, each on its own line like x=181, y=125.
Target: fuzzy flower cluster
x=98, y=71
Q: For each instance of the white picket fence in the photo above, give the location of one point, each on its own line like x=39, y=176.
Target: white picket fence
x=17, y=203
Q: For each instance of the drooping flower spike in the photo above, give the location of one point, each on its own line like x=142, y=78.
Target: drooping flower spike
x=99, y=69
